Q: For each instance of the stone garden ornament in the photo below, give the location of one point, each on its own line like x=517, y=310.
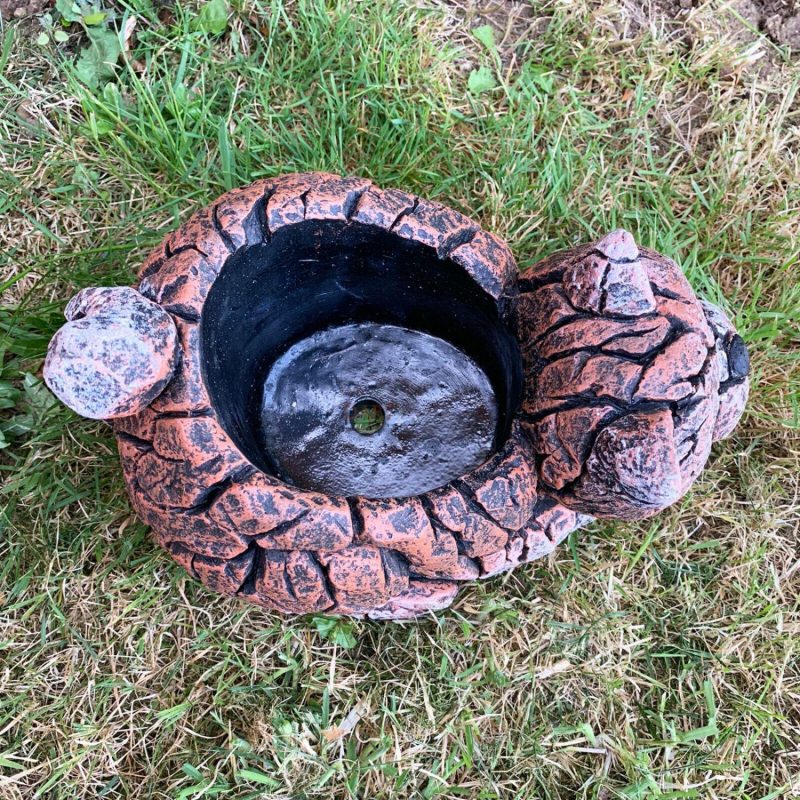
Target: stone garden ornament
x=334, y=398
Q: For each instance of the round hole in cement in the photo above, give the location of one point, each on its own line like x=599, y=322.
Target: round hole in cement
x=367, y=416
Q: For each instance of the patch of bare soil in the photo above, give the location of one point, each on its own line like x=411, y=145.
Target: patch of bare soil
x=20, y=9
x=781, y=21
x=742, y=20
x=516, y=24
x=513, y=21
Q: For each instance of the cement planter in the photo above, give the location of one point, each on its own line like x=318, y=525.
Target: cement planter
x=334, y=398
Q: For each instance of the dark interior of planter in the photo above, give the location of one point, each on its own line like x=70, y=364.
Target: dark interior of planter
x=309, y=281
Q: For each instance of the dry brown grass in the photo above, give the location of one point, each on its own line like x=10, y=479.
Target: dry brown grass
x=650, y=660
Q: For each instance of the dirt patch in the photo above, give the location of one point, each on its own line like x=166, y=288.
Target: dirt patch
x=781, y=22
x=514, y=22
x=779, y=19
x=515, y=26
x=738, y=22
x=741, y=21
x=20, y=9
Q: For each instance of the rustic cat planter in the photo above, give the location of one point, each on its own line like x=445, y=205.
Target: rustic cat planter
x=333, y=398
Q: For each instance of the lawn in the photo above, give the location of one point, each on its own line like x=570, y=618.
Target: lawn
x=659, y=659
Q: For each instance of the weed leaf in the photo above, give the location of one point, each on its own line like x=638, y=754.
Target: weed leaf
x=481, y=80
x=213, y=17
x=485, y=35
x=338, y=631
x=69, y=10
x=97, y=61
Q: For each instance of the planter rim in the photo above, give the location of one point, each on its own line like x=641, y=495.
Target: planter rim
x=459, y=531
x=626, y=380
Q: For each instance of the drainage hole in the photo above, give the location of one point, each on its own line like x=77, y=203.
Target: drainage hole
x=367, y=416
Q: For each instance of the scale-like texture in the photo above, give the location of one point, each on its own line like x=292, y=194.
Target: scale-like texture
x=622, y=396
x=622, y=399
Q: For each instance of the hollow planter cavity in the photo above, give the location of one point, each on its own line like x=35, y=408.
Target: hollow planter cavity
x=349, y=317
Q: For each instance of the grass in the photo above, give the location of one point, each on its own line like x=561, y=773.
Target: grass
x=651, y=660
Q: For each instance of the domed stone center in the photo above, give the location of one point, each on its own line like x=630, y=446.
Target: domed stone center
x=376, y=410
